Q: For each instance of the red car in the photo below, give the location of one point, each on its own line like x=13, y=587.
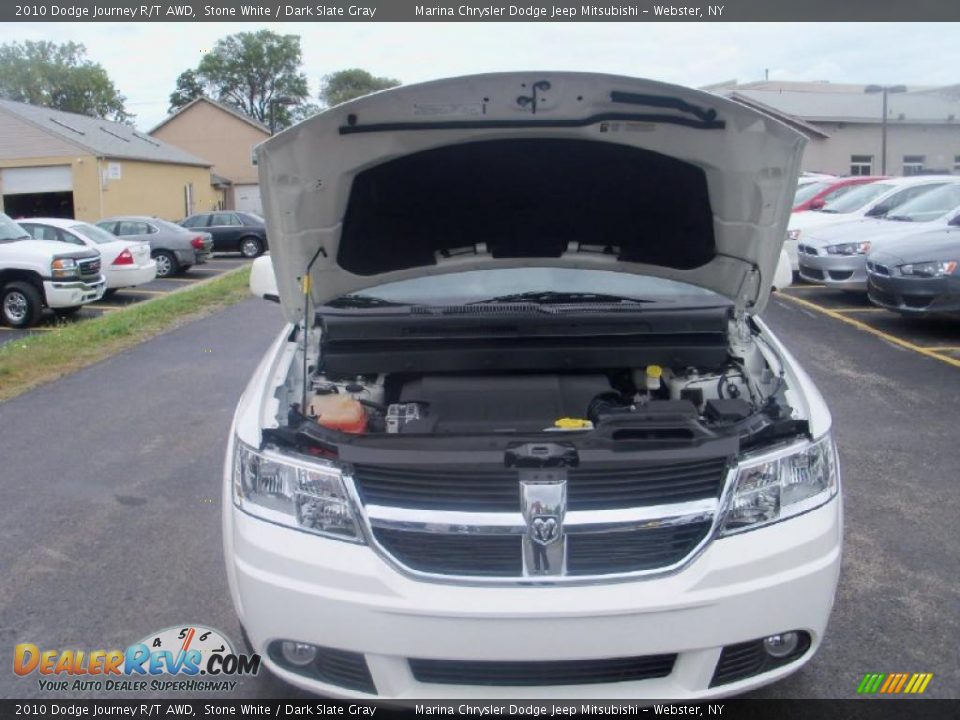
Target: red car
x=814, y=196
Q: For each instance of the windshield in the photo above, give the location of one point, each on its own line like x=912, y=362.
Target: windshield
x=9, y=230
x=92, y=232
x=857, y=198
x=480, y=285
x=808, y=191
x=929, y=206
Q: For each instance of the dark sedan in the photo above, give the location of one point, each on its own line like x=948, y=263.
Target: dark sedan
x=231, y=230
x=919, y=275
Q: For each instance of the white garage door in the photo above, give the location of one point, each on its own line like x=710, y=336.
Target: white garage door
x=54, y=178
x=246, y=198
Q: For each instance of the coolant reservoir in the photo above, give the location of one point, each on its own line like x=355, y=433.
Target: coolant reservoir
x=338, y=412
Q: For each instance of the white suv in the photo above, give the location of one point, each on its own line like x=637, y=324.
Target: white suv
x=524, y=434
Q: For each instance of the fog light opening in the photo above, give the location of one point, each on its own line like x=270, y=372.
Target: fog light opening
x=298, y=654
x=782, y=645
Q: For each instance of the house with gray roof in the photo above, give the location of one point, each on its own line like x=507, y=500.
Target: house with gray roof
x=61, y=164
x=845, y=125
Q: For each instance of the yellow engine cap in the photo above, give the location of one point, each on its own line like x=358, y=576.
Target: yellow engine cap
x=568, y=423
x=654, y=371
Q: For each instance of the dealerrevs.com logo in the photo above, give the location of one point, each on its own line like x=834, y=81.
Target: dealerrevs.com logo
x=184, y=652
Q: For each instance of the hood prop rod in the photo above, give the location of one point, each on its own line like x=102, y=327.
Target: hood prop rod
x=306, y=325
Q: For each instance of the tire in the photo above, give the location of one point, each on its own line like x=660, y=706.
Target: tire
x=167, y=264
x=250, y=247
x=21, y=304
x=67, y=311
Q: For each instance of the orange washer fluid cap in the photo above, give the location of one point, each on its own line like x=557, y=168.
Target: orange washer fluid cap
x=339, y=412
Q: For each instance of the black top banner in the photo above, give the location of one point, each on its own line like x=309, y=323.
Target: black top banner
x=479, y=11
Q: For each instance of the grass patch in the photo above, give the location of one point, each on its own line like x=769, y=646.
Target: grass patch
x=40, y=358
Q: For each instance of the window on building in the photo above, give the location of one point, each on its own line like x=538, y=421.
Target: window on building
x=913, y=164
x=861, y=164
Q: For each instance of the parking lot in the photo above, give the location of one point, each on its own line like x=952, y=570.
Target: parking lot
x=217, y=265
x=108, y=546
x=937, y=338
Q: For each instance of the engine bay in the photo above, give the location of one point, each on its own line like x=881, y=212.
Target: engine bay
x=708, y=375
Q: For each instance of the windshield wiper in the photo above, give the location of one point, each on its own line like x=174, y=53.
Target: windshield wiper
x=361, y=301
x=551, y=296
x=898, y=218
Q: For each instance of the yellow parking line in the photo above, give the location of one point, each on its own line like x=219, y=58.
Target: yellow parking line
x=141, y=292
x=184, y=279
x=804, y=287
x=946, y=348
x=101, y=306
x=873, y=331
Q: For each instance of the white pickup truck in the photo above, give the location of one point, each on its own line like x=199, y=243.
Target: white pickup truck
x=35, y=274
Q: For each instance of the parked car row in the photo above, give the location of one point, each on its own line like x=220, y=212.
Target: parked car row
x=63, y=264
x=896, y=239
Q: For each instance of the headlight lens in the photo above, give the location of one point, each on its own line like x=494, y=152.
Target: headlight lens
x=930, y=269
x=303, y=494
x=778, y=486
x=850, y=248
x=793, y=234
x=64, y=269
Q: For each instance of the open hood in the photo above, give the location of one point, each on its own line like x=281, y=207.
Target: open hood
x=530, y=169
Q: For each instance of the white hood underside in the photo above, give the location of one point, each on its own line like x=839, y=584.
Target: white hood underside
x=748, y=165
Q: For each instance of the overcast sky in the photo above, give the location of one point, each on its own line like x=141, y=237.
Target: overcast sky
x=144, y=59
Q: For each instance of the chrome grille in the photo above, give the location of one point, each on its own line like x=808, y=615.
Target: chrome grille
x=89, y=268
x=476, y=524
x=497, y=490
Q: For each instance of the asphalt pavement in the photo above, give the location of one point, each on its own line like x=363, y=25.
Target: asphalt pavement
x=110, y=500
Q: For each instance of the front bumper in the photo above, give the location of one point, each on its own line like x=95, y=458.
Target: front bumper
x=291, y=585
x=845, y=272
x=72, y=293
x=915, y=295
x=131, y=275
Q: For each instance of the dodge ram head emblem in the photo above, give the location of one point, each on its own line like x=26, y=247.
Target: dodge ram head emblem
x=543, y=498
x=544, y=529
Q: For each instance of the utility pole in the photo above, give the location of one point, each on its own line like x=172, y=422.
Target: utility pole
x=886, y=90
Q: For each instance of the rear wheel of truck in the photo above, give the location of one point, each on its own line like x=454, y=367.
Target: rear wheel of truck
x=21, y=304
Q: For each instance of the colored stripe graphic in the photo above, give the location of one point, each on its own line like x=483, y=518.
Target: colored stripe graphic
x=894, y=683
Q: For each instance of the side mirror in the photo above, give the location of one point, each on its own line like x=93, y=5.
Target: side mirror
x=817, y=204
x=783, y=276
x=263, y=282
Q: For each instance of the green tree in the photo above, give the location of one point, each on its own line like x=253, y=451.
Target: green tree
x=189, y=88
x=251, y=71
x=60, y=77
x=346, y=85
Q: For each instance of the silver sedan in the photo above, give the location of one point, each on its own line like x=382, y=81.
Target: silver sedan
x=175, y=248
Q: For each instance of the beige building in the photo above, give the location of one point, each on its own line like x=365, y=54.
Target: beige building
x=227, y=138
x=845, y=129
x=62, y=164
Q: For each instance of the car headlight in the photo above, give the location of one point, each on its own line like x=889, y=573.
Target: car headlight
x=780, y=485
x=850, y=248
x=930, y=269
x=64, y=269
x=793, y=235
x=304, y=494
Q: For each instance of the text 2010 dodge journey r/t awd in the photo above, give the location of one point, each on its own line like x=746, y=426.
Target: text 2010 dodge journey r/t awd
x=524, y=434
